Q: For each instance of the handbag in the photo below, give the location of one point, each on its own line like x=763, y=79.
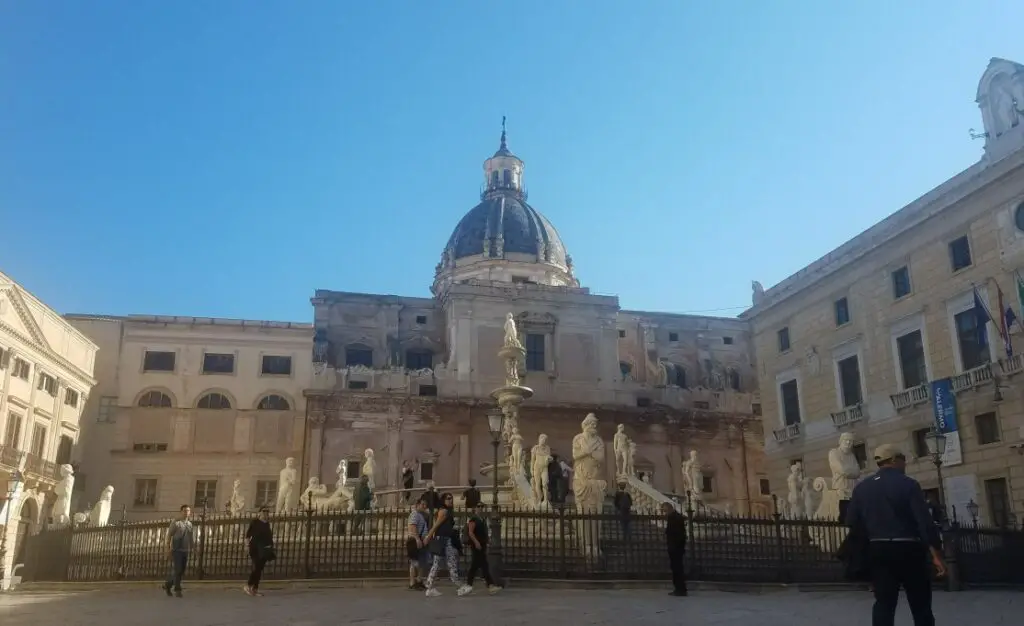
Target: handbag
x=268, y=554
x=436, y=546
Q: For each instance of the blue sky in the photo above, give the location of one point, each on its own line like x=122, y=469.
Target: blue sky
x=228, y=158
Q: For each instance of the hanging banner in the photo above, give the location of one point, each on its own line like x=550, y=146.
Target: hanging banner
x=944, y=406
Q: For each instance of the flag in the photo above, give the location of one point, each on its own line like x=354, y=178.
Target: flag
x=981, y=317
x=1020, y=291
x=1006, y=318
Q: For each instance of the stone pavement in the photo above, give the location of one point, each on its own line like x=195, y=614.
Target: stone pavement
x=514, y=606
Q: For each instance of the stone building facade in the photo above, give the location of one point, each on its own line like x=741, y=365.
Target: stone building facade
x=46, y=376
x=866, y=338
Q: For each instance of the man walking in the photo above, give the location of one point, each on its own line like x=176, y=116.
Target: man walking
x=675, y=541
x=471, y=496
x=477, y=536
x=624, y=507
x=890, y=510
x=416, y=551
x=179, y=545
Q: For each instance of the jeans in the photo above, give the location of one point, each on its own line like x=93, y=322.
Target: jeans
x=625, y=521
x=258, y=563
x=901, y=564
x=179, y=560
x=478, y=563
x=676, y=560
x=451, y=557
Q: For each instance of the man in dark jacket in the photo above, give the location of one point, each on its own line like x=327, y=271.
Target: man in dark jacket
x=675, y=540
x=890, y=510
x=624, y=508
x=363, y=501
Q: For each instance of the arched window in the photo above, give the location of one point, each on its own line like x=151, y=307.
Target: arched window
x=273, y=402
x=676, y=375
x=215, y=401
x=419, y=359
x=358, y=354
x=507, y=178
x=155, y=399
x=734, y=380
x=626, y=369
x=494, y=178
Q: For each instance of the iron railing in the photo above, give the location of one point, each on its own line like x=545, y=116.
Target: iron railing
x=558, y=543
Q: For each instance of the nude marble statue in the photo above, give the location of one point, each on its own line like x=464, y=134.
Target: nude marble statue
x=795, y=495
x=369, y=468
x=286, y=486
x=620, y=445
x=511, y=333
x=540, y=456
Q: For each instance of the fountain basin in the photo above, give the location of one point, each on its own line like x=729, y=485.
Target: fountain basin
x=511, y=395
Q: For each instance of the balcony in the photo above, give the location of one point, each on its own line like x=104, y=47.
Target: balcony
x=849, y=415
x=9, y=457
x=35, y=464
x=1012, y=365
x=789, y=433
x=910, y=397
x=972, y=378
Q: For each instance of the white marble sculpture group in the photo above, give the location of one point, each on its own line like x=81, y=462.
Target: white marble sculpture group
x=820, y=498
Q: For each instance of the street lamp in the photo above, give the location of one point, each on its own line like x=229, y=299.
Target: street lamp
x=495, y=424
x=972, y=510
x=935, y=440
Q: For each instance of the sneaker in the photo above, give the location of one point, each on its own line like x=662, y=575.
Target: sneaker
x=493, y=589
x=464, y=590
x=433, y=592
x=167, y=590
x=177, y=593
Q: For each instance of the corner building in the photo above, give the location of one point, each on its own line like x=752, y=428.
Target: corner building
x=856, y=341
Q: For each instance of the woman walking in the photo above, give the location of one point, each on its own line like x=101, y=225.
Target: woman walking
x=440, y=539
x=261, y=549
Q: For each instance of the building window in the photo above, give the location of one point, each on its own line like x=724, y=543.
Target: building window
x=910, y=349
x=215, y=401
x=419, y=359
x=355, y=469
x=972, y=338
x=426, y=471
x=218, y=363
x=12, y=434
x=920, y=437
x=266, y=494
x=5, y=358
x=998, y=497
x=421, y=319
x=727, y=341
x=158, y=361
x=734, y=380
x=21, y=369
x=38, y=440
x=622, y=334
x=535, y=352
x=149, y=447
x=145, y=493
x=64, y=450
x=506, y=177
x=276, y=365
x=152, y=400
x=708, y=485
x=790, y=402
x=755, y=408
x=842, y=307
x=358, y=355
x=901, y=282
x=625, y=369
x=676, y=375
x=784, y=339
x=47, y=383
x=206, y=494
x=428, y=390
x=105, y=408
x=860, y=452
x=849, y=381
x=71, y=397
x=960, y=253
x=357, y=384
x=673, y=336
x=987, y=427
x=765, y=487
x=273, y=402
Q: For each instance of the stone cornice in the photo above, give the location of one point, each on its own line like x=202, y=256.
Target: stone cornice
x=41, y=354
x=946, y=196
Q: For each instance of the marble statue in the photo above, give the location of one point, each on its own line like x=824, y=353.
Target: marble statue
x=370, y=468
x=540, y=456
x=512, y=372
x=647, y=477
x=631, y=458
x=844, y=466
x=809, y=500
x=693, y=476
x=758, y=292
x=99, y=514
x=516, y=457
x=63, y=490
x=620, y=445
x=342, y=472
x=236, y=505
x=313, y=494
x=511, y=333
x=286, y=486
x=795, y=495
x=588, y=458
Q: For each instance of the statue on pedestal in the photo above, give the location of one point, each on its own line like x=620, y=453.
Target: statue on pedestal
x=511, y=333
x=99, y=514
x=515, y=462
x=369, y=468
x=588, y=457
x=693, y=477
x=63, y=490
x=314, y=494
x=795, y=496
x=342, y=472
x=236, y=505
x=540, y=456
x=844, y=466
x=286, y=486
x=620, y=445
x=631, y=458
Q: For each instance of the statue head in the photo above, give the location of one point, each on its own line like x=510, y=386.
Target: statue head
x=794, y=469
x=693, y=455
x=621, y=428
x=369, y=453
x=590, y=423
x=66, y=471
x=845, y=442
x=542, y=439
x=238, y=484
x=289, y=462
x=509, y=317
x=314, y=481
x=107, y=494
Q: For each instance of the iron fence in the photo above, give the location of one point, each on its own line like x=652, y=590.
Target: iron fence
x=557, y=543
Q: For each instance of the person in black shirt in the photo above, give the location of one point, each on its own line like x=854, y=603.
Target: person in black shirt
x=408, y=478
x=477, y=536
x=890, y=511
x=623, y=506
x=471, y=496
x=675, y=540
x=260, y=539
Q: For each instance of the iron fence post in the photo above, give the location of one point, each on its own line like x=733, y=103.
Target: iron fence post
x=308, y=543
x=563, y=565
x=689, y=532
x=780, y=547
x=950, y=550
x=200, y=573
x=120, y=573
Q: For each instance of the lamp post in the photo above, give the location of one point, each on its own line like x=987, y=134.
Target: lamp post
x=936, y=442
x=972, y=510
x=495, y=423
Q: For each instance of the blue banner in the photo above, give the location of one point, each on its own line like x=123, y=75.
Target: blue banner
x=944, y=405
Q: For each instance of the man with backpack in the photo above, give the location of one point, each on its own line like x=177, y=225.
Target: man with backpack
x=476, y=536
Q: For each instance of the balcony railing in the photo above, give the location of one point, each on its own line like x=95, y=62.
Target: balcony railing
x=910, y=397
x=1012, y=365
x=788, y=433
x=849, y=415
x=35, y=464
x=9, y=456
x=972, y=378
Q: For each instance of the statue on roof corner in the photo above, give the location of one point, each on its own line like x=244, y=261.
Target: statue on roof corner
x=758, y=290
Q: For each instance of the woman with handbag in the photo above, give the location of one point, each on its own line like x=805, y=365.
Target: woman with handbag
x=261, y=549
x=440, y=541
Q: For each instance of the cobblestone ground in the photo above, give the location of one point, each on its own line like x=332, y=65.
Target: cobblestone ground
x=209, y=607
